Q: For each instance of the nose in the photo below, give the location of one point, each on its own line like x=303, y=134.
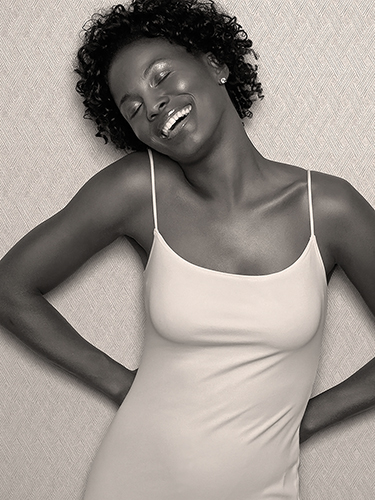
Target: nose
x=155, y=106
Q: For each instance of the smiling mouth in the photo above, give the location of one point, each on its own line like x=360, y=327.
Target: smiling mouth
x=174, y=120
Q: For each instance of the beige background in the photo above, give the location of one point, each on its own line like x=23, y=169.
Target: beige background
x=317, y=67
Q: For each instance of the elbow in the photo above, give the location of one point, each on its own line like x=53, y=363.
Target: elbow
x=8, y=304
x=16, y=290
x=13, y=300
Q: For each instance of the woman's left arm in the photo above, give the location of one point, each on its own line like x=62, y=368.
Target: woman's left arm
x=351, y=227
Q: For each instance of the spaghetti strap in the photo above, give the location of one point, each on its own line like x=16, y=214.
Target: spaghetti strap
x=311, y=213
x=153, y=189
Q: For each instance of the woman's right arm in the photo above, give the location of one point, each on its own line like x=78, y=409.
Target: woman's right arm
x=46, y=256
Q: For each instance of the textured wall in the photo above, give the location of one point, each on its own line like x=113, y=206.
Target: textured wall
x=317, y=66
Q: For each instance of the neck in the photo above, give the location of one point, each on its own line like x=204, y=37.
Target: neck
x=230, y=164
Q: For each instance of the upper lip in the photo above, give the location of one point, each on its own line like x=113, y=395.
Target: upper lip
x=167, y=114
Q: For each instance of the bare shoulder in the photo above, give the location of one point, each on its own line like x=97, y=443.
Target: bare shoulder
x=127, y=175
x=345, y=220
x=130, y=175
x=120, y=190
x=335, y=198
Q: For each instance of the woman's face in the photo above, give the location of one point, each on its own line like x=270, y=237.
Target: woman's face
x=171, y=99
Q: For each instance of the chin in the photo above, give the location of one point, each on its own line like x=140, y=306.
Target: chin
x=188, y=146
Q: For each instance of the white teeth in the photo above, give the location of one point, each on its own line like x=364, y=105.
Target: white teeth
x=176, y=116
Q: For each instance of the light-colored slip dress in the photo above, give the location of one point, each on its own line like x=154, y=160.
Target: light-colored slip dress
x=227, y=370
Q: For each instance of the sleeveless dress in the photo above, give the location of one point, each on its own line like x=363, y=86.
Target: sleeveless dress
x=226, y=373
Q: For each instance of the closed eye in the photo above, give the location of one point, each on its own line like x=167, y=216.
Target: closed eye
x=135, y=111
x=162, y=76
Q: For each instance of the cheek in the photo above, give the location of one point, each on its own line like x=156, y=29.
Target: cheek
x=181, y=87
x=192, y=83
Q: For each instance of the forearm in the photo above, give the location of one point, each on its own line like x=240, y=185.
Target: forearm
x=351, y=397
x=42, y=328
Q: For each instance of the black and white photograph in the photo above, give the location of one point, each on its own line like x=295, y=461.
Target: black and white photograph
x=187, y=250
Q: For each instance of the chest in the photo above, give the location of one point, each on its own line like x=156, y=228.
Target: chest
x=251, y=240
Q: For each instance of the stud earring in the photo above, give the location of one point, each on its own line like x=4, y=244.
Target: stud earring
x=222, y=81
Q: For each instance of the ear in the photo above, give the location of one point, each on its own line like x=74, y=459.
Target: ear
x=220, y=70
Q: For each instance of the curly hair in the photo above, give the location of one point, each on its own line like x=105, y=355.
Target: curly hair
x=198, y=25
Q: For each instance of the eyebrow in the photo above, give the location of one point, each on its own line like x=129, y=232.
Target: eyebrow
x=147, y=71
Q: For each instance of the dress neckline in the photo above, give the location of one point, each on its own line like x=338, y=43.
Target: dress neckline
x=159, y=237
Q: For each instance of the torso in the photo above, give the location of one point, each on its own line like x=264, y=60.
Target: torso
x=215, y=408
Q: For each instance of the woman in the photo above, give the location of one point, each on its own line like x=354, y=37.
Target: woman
x=235, y=282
